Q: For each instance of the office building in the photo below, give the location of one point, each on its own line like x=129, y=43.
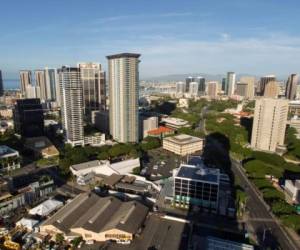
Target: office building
x=291, y=87
x=196, y=185
x=29, y=118
x=188, y=80
x=194, y=89
x=100, y=120
x=269, y=124
x=123, y=75
x=183, y=144
x=212, y=89
x=93, y=83
x=96, y=218
x=1, y=84
x=25, y=80
x=263, y=82
x=71, y=105
x=224, y=86
x=230, y=82
x=201, y=84
x=250, y=89
x=271, y=89
x=180, y=88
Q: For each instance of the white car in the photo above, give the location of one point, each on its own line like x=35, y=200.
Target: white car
x=155, y=167
x=123, y=242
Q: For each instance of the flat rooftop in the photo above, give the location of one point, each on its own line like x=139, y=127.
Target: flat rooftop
x=199, y=173
x=183, y=139
x=175, y=121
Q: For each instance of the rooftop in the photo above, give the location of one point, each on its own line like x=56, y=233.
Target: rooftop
x=121, y=55
x=183, y=139
x=199, y=173
x=98, y=214
x=85, y=165
x=5, y=150
x=160, y=130
x=175, y=121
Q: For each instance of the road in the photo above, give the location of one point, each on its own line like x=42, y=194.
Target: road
x=269, y=232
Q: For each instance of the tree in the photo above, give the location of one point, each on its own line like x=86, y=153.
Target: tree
x=136, y=170
x=280, y=207
x=59, y=238
x=76, y=241
x=103, y=156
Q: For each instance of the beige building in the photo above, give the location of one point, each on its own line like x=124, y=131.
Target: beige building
x=97, y=218
x=25, y=80
x=183, y=144
x=123, y=78
x=249, y=81
x=212, y=89
x=271, y=89
x=269, y=124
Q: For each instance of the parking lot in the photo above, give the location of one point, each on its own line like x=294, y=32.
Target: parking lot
x=160, y=164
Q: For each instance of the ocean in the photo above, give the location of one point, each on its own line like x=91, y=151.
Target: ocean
x=11, y=83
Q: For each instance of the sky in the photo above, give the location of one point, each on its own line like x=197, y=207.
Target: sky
x=173, y=36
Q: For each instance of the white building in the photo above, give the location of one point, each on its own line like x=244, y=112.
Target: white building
x=147, y=124
x=123, y=77
x=230, y=82
x=292, y=188
x=180, y=88
x=105, y=167
x=194, y=89
x=71, y=105
x=96, y=139
x=175, y=123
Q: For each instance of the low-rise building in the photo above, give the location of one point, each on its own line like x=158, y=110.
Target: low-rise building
x=82, y=171
x=96, y=139
x=174, y=123
x=9, y=159
x=42, y=147
x=23, y=190
x=292, y=189
x=196, y=185
x=183, y=144
x=96, y=218
x=160, y=132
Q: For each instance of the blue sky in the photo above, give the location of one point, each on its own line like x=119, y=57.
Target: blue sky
x=246, y=36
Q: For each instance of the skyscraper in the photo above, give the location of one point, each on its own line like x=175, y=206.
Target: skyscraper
x=29, y=118
x=93, y=83
x=52, y=85
x=180, y=88
x=230, y=82
x=194, y=89
x=241, y=89
x=269, y=124
x=212, y=89
x=188, y=80
x=249, y=81
x=263, y=82
x=25, y=80
x=40, y=81
x=1, y=84
x=271, y=89
x=201, y=85
x=71, y=105
x=291, y=87
x=123, y=77
x=224, y=86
